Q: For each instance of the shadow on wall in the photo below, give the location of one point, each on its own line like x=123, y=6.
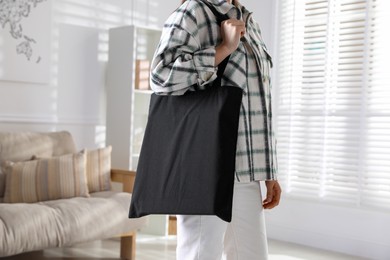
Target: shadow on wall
x=95, y=18
x=73, y=98
x=25, y=64
x=100, y=15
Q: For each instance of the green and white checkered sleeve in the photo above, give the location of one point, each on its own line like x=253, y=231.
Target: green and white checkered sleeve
x=180, y=62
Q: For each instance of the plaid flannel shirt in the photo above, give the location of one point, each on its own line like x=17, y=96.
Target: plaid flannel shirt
x=186, y=56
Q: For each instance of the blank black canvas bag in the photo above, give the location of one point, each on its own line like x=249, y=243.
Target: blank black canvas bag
x=187, y=159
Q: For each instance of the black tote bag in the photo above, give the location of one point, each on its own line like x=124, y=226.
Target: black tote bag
x=187, y=159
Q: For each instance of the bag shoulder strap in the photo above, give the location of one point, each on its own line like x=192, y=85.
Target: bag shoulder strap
x=222, y=66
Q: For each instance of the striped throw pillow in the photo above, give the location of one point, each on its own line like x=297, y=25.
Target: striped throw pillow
x=99, y=169
x=46, y=179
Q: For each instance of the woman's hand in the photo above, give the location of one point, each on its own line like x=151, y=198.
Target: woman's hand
x=232, y=30
x=273, y=194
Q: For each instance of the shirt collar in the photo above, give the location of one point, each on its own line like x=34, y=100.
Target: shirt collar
x=224, y=7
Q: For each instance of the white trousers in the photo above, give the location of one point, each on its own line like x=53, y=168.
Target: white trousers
x=210, y=238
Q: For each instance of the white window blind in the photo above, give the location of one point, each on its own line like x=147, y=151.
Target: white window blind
x=333, y=115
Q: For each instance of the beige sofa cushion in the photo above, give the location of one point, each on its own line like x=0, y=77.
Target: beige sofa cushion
x=46, y=179
x=99, y=169
x=22, y=146
x=66, y=222
x=63, y=143
x=2, y=185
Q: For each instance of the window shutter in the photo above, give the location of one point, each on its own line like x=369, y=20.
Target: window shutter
x=376, y=178
x=331, y=130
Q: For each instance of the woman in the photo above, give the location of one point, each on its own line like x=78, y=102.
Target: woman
x=191, y=47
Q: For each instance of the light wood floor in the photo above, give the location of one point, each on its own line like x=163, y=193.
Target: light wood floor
x=161, y=248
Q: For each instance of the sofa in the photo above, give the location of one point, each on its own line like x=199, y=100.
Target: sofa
x=52, y=195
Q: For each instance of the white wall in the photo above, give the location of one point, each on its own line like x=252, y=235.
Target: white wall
x=263, y=11
x=360, y=232
x=74, y=99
